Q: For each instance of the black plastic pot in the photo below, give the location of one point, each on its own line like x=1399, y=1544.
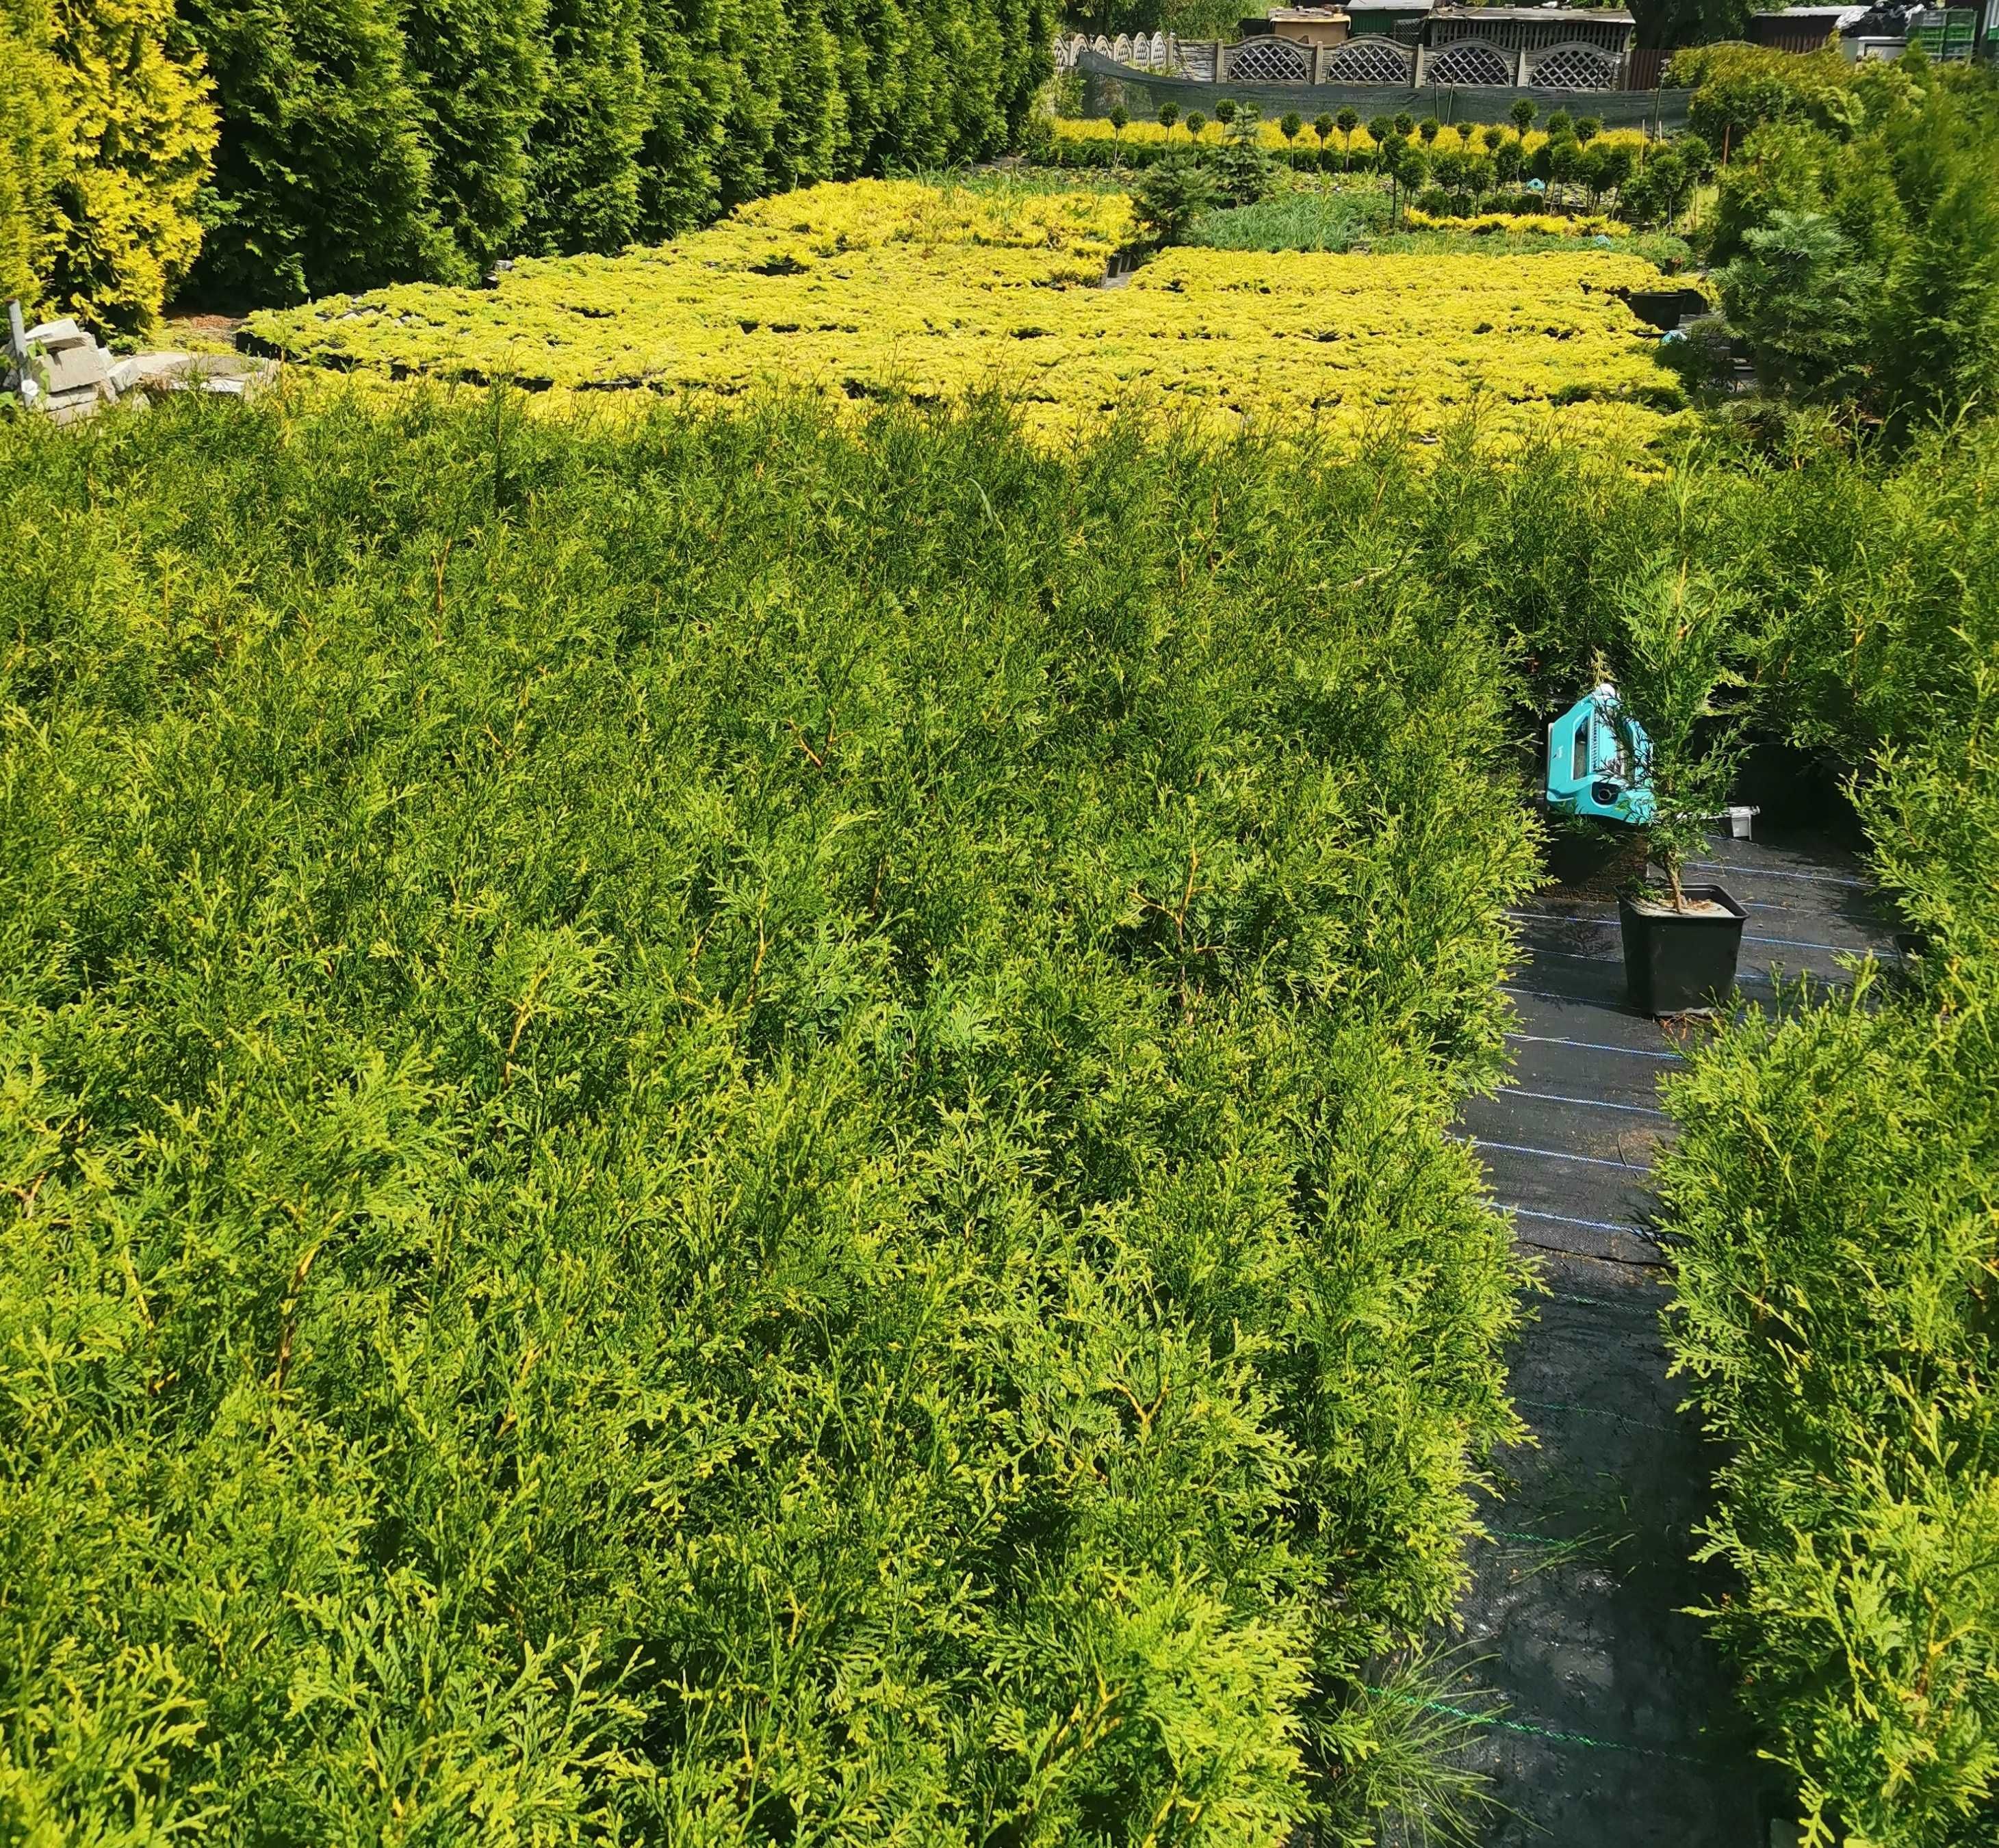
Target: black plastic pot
x=1678, y=963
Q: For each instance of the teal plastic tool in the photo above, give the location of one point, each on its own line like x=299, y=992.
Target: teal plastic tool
x=1600, y=761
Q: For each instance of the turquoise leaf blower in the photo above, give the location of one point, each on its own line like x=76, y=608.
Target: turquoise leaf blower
x=1600, y=761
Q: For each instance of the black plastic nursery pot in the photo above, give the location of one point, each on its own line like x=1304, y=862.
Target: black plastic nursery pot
x=1679, y=963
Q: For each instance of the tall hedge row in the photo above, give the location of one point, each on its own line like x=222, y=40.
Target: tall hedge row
x=264, y=150
x=730, y=1132
x=1836, y=1182
x=367, y=141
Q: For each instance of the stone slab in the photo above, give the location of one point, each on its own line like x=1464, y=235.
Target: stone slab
x=59, y=336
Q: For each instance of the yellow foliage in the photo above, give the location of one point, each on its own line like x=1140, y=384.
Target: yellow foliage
x=1548, y=224
x=97, y=217
x=872, y=289
x=29, y=142
x=1150, y=134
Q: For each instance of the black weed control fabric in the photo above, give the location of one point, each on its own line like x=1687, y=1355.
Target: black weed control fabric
x=1617, y=1717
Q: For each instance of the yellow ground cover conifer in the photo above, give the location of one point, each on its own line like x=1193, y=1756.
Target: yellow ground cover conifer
x=873, y=289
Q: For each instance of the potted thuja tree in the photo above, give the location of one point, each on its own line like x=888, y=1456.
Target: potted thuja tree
x=1681, y=941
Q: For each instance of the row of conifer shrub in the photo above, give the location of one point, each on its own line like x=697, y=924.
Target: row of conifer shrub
x=1836, y=1184
x=725, y=1131
x=262, y=151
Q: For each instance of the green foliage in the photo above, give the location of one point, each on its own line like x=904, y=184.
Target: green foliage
x=479, y=71
x=585, y=177
x=1863, y=266
x=1170, y=196
x=726, y=1128
x=1802, y=302
x=1677, y=632
x=1243, y=173
x=1835, y=1181
x=1298, y=221
x=1740, y=87
x=367, y=141
x=1673, y=22
x=322, y=179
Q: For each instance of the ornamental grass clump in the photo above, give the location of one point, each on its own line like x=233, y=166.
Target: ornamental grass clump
x=731, y=1129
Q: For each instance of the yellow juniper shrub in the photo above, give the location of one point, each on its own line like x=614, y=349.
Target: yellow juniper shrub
x=1547, y=224
x=1150, y=134
x=874, y=289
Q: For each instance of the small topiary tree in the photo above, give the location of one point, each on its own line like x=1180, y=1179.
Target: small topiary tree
x=1429, y=128
x=1382, y=131
x=1170, y=113
x=1522, y=114
x=1560, y=127
x=1675, y=623
x=1587, y=130
x=1291, y=125
x=1346, y=121
x=1225, y=112
x=1406, y=124
x=1492, y=135
x=1195, y=123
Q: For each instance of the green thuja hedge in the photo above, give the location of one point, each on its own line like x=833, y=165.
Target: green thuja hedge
x=729, y=1131
x=364, y=142
x=1836, y=1183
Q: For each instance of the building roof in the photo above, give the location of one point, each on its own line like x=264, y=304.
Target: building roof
x=1387, y=6
x=1318, y=15
x=1605, y=15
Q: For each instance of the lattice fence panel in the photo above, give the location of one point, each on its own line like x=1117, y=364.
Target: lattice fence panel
x=1471, y=64
x=1268, y=61
x=1574, y=68
x=1371, y=60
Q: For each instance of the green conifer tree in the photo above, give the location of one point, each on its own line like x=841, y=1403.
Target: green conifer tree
x=585, y=175
x=322, y=178
x=480, y=69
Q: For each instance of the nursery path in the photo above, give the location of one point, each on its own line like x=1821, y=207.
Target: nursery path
x=1618, y=1725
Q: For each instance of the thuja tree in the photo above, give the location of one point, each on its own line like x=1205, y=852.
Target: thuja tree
x=1679, y=631
x=322, y=179
x=106, y=126
x=1834, y=1189
x=585, y=183
x=479, y=70
x=710, y=1131
x=30, y=147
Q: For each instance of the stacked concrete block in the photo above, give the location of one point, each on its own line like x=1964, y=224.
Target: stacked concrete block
x=59, y=369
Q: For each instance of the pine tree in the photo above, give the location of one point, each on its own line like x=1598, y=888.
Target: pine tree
x=322, y=179
x=584, y=172
x=479, y=70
